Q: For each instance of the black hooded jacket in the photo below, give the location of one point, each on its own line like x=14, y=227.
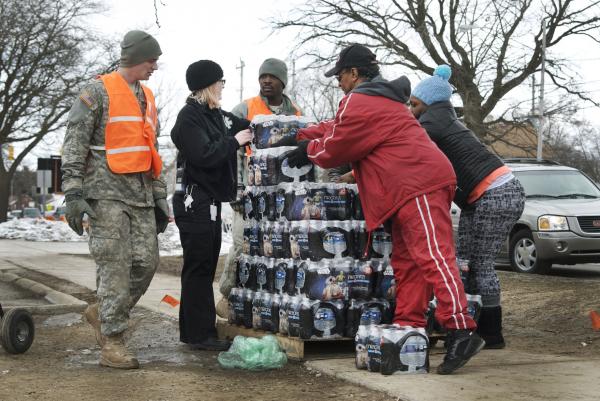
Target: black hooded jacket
x=471, y=160
x=206, y=146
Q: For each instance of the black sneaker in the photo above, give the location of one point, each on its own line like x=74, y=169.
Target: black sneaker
x=462, y=345
x=211, y=344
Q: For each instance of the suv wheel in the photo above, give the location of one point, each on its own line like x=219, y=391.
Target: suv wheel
x=523, y=254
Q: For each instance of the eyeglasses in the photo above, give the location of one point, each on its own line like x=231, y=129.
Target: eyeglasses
x=223, y=82
x=339, y=75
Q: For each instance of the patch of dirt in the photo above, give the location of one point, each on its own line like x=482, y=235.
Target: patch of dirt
x=550, y=314
x=63, y=365
x=542, y=314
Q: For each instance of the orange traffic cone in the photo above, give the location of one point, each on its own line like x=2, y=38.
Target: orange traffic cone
x=595, y=316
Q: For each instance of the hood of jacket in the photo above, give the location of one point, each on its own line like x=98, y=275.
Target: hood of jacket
x=397, y=89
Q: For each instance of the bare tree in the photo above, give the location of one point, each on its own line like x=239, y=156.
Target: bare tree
x=45, y=52
x=576, y=145
x=492, y=45
x=318, y=97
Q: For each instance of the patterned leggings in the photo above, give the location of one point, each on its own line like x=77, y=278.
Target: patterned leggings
x=482, y=229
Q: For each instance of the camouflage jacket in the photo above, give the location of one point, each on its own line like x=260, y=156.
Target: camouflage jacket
x=86, y=169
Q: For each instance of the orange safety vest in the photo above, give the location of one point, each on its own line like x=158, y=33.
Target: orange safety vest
x=129, y=136
x=257, y=106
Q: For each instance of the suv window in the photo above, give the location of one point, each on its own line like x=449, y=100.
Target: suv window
x=560, y=184
x=32, y=212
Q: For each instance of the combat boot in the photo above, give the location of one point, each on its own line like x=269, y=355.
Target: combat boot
x=92, y=315
x=115, y=354
x=462, y=345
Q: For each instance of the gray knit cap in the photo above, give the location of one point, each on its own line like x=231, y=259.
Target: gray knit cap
x=275, y=67
x=137, y=47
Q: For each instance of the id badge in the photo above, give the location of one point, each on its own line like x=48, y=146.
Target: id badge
x=213, y=212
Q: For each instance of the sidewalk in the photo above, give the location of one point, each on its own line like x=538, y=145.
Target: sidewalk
x=60, y=259
x=492, y=375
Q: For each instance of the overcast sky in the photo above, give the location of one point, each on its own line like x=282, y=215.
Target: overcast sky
x=228, y=30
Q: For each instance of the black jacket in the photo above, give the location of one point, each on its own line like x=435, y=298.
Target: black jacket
x=207, y=149
x=471, y=160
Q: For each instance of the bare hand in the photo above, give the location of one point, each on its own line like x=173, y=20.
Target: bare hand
x=244, y=137
x=347, y=178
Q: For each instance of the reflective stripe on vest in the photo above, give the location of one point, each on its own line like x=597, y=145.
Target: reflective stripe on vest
x=129, y=136
x=257, y=106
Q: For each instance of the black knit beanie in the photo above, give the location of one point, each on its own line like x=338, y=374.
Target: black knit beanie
x=202, y=74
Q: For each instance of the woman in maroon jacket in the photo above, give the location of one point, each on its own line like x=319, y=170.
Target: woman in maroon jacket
x=404, y=181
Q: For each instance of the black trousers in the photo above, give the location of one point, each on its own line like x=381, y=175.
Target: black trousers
x=200, y=256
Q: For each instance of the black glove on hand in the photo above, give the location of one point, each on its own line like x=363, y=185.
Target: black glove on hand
x=298, y=156
x=237, y=205
x=288, y=140
x=161, y=213
x=76, y=208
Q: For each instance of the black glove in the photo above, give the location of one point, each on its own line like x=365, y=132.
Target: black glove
x=238, y=205
x=161, y=214
x=76, y=208
x=298, y=156
x=288, y=140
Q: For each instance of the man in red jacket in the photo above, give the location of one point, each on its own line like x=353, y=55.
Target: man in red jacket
x=404, y=181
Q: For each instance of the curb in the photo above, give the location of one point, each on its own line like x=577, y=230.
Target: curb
x=61, y=302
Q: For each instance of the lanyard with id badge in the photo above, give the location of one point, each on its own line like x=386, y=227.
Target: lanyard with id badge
x=188, y=200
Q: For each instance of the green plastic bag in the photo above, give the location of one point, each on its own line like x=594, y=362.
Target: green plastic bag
x=253, y=354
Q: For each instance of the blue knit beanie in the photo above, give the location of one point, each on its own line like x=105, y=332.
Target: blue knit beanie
x=435, y=88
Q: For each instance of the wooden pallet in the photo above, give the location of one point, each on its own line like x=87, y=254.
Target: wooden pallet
x=295, y=348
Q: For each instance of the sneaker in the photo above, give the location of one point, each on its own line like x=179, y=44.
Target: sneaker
x=115, y=354
x=462, y=345
x=222, y=308
x=92, y=316
x=211, y=344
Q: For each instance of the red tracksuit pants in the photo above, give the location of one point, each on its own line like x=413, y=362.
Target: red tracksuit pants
x=423, y=260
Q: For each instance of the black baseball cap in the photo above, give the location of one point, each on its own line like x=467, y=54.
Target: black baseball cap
x=352, y=56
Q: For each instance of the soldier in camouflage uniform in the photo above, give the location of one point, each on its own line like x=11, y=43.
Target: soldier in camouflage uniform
x=126, y=210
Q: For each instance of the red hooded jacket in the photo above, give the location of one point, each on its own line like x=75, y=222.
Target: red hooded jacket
x=392, y=156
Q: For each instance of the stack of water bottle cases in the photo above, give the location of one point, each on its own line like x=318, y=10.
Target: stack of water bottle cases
x=308, y=268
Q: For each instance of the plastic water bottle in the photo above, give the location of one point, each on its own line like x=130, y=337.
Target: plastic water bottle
x=374, y=349
x=414, y=352
x=360, y=345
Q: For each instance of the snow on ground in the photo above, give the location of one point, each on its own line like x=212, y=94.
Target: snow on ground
x=47, y=231
x=39, y=230
x=170, y=245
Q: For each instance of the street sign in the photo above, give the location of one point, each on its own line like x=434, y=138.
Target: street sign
x=49, y=175
x=44, y=178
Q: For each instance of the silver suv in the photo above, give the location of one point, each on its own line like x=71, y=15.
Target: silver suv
x=561, y=220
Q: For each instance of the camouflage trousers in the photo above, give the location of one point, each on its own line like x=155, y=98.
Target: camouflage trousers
x=227, y=280
x=124, y=246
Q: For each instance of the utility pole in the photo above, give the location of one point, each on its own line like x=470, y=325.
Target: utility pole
x=542, y=125
x=241, y=68
x=533, y=94
x=293, y=91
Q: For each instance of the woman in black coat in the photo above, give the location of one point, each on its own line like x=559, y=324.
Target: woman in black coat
x=491, y=198
x=207, y=139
